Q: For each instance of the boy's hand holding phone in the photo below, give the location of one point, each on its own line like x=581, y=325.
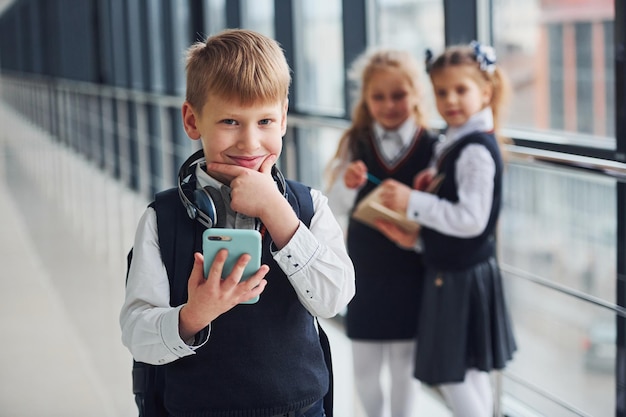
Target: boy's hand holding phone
x=238, y=243
x=212, y=296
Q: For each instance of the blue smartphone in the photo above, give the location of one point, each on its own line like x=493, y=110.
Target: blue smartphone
x=237, y=242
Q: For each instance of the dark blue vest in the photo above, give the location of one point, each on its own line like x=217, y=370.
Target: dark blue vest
x=388, y=278
x=445, y=252
x=260, y=360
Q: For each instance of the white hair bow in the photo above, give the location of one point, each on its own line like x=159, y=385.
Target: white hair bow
x=485, y=56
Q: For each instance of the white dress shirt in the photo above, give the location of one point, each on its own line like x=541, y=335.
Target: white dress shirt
x=392, y=150
x=315, y=261
x=475, y=171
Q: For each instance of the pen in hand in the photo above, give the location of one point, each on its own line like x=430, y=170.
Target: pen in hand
x=373, y=179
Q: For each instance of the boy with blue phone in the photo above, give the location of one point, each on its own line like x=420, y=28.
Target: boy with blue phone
x=222, y=358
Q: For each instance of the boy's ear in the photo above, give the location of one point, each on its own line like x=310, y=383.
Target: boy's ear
x=189, y=121
x=283, y=122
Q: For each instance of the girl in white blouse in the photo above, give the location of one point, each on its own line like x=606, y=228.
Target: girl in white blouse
x=464, y=325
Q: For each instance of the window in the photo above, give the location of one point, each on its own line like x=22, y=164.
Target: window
x=156, y=64
x=319, y=67
x=559, y=226
x=558, y=55
x=412, y=25
x=214, y=16
x=258, y=15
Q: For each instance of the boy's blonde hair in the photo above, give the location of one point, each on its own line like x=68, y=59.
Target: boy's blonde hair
x=360, y=74
x=237, y=64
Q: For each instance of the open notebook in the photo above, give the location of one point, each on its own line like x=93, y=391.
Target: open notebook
x=370, y=208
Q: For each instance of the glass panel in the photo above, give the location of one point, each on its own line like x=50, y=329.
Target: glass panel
x=559, y=226
x=319, y=82
x=178, y=16
x=214, y=16
x=413, y=25
x=315, y=147
x=609, y=81
x=156, y=66
x=155, y=148
x=558, y=55
x=565, y=363
x=136, y=47
x=258, y=15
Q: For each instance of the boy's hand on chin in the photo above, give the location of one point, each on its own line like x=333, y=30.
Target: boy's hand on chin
x=255, y=194
x=251, y=191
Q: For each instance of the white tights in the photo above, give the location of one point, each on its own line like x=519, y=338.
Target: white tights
x=472, y=397
x=369, y=359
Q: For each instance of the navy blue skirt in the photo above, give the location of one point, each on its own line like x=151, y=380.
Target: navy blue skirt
x=464, y=323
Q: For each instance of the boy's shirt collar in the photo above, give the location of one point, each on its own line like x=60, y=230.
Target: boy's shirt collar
x=233, y=219
x=205, y=179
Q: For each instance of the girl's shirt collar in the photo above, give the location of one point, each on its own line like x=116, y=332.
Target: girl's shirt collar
x=406, y=130
x=479, y=122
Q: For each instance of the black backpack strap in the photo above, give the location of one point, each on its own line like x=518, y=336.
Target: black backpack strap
x=301, y=195
x=178, y=234
x=174, y=229
x=328, y=398
x=165, y=208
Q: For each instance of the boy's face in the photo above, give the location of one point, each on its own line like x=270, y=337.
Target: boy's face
x=237, y=135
